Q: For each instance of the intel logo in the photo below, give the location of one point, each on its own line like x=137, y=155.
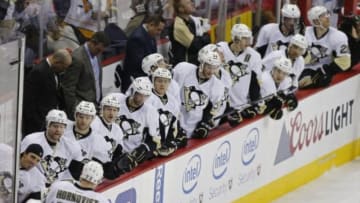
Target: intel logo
x=221, y=160
x=249, y=147
x=191, y=174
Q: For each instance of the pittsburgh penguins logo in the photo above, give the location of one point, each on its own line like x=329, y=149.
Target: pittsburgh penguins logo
x=317, y=53
x=113, y=145
x=165, y=117
x=194, y=98
x=6, y=184
x=52, y=166
x=129, y=126
x=237, y=70
x=279, y=45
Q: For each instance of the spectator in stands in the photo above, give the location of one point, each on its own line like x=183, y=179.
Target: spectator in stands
x=43, y=90
x=61, y=36
x=188, y=34
x=141, y=43
x=83, y=79
x=31, y=181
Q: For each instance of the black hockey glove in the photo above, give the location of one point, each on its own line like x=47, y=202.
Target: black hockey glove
x=235, y=118
x=290, y=100
x=202, y=130
x=140, y=154
x=125, y=163
x=276, y=114
x=181, y=137
x=249, y=112
x=319, y=79
x=166, y=150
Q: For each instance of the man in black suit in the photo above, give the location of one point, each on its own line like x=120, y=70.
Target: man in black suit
x=141, y=43
x=43, y=90
x=83, y=79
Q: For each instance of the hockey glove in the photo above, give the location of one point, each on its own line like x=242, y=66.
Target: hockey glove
x=291, y=102
x=165, y=151
x=140, y=154
x=319, y=79
x=125, y=163
x=276, y=114
x=234, y=119
x=202, y=130
x=181, y=138
x=249, y=112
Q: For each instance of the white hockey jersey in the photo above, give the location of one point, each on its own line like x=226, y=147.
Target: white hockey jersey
x=68, y=192
x=269, y=87
x=56, y=160
x=298, y=65
x=30, y=181
x=240, y=69
x=107, y=139
x=195, y=96
x=271, y=35
x=134, y=124
x=322, y=49
x=169, y=111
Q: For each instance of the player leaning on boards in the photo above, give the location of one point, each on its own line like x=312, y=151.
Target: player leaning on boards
x=81, y=191
x=328, y=50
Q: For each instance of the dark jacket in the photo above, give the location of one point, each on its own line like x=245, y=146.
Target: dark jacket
x=41, y=94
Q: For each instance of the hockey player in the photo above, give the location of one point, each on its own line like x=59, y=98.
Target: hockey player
x=153, y=61
x=297, y=47
x=139, y=124
x=82, y=191
x=61, y=154
x=109, y=147
x=275, y=36
x=31, y=181
x=168, y=108
x=201, y=94
x=328, y=50
x=275, y=89
x=244, y=66
x=223, y=75
x=80, y=130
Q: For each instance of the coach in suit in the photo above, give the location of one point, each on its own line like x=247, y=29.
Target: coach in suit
x=83, y=79
x=141, y=43
x=43, y=90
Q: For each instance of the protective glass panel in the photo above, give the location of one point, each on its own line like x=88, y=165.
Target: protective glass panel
x=10, y=67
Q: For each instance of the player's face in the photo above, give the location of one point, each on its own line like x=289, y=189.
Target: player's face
x=29, y=160
x=208, y=70
x=83, y=121
x=161, y=85
x=325, y=19
x=139, y=99
x=109, y=113
x=295, y=51
x=289, y=23
x=55, y=131
x=241, y=43
x=155, y=30
x=278, y=75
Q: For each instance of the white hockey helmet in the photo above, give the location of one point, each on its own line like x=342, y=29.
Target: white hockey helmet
x=150, y=61
x=110, y=100
x=85, y=107
x=161, y=73
x=142, y=85
x=284, y=64
x=56, y=116
x=314, y=14
x=212, y=58
x=92, y=172
x=300, y=41
x=290, y=11
x=239, y=31
x=206, y=48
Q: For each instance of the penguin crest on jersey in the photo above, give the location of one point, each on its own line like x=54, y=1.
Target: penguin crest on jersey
x=113, y=145
x=237, y=70
x=279, y=45
x=165, y=117
x=129, y=126
x=52, y=166
x=194, y=98
x=317, y=53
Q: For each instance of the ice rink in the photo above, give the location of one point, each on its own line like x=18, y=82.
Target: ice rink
x=338, y=185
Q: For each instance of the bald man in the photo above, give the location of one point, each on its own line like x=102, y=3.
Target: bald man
x=43, y=90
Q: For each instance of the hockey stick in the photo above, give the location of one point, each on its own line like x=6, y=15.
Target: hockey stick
x=243, y=106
